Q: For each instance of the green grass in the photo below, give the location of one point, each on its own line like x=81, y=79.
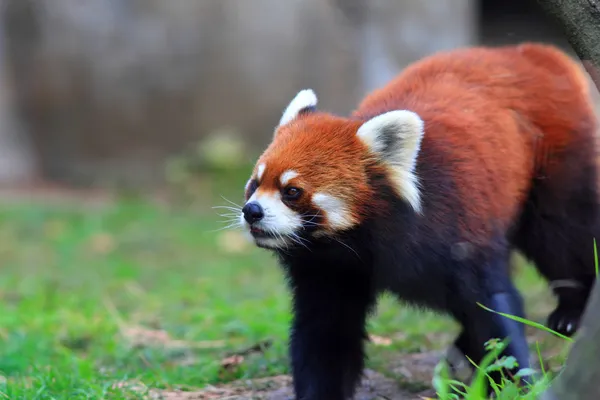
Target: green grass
x=75, y=281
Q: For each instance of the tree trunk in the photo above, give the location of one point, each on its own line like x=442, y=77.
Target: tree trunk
x=580, y=20
x=580, y=379
x=581, y=376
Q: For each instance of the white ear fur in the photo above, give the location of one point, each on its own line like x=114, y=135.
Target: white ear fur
x=305, y=99
x=395, y=138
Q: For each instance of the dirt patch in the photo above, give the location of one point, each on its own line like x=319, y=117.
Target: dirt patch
x=410, y=379
x=373, y=386
x=415, y=371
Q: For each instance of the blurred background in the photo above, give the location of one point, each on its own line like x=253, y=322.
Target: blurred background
x=106, y=92
x=123, y=122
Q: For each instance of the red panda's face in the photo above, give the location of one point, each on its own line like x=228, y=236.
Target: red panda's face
x=312, y=180
x=309, y=182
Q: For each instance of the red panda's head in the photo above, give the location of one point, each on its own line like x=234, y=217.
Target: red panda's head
x=313, y=179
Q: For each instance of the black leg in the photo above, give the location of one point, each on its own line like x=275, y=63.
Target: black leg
x=328, y=333
x=495, y=291
x=510, y=302
x=479, y=326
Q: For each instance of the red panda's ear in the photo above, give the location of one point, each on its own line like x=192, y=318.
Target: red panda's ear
x=395, y=139
x=305, y=101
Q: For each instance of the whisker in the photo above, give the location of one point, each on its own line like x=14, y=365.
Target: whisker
x=313, y=223
x=231, y=202
x=312, y=217
x=298, y=240
x=232, y=225
x=283, y=251
x=310, y=221
x=232, y=218
x=347, y=246
x=228, y=208
x=230, y=221
x=229, y=215
x=287, y=245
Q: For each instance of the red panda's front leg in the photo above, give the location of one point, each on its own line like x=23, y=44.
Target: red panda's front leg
x=328, y=332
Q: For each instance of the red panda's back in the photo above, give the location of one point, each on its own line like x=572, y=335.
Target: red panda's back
x=487, y=112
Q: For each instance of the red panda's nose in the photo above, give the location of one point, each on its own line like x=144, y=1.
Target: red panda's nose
x=253, y=212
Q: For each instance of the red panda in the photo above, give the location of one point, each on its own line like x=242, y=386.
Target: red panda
x=423, y=191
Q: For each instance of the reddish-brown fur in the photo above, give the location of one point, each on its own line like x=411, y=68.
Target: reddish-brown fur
x=512, y=107
x=327, y=155
x=507, y=160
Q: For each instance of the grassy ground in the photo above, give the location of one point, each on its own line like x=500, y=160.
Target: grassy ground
x=134, y=292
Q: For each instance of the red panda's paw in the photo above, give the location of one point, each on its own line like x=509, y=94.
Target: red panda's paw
x=565, y=319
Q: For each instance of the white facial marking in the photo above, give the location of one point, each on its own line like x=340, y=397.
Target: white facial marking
x=278, y=220
x=287, y=176
x=278, y=217
x=304, y=99
x=395, y=137
x=260, y=170
x=335, y=209
x=273, y=243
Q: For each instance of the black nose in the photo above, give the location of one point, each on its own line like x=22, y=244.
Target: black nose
x=253, y=212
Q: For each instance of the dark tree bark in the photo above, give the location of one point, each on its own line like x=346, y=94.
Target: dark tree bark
x=580, y=20
x=580, y=379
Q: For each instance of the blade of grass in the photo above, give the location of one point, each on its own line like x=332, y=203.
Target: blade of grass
x=527, y=322
x=537, y=346
x=596, y=258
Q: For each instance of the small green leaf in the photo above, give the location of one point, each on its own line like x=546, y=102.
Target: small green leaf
x=493, y=344
x=525, y=372
x=503, y=363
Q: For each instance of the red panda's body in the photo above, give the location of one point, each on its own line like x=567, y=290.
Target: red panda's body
x=424, y=191
x=508, y=113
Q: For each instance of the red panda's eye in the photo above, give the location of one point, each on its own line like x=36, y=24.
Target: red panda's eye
x=291, y=193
